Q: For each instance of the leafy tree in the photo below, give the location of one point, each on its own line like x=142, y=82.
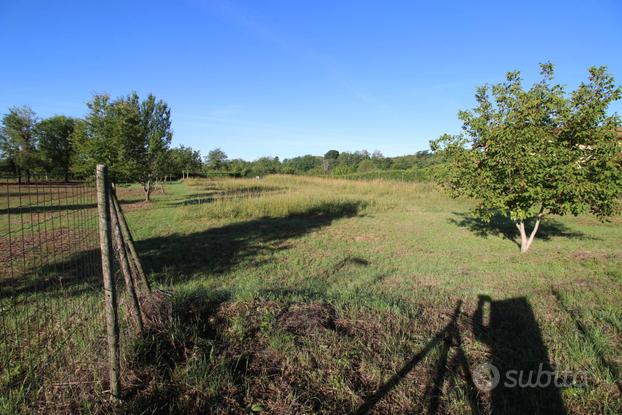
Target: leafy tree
x=365, y=166
x=529, y=153
x=331, y=155
x=265, y=165
x=330, y=160
x=240, y=167
x=130, y=136
x=301, y=164
x=55, y=147
x=380, y=161
x=156, y=127
x=344, y=169
x=110, y=134
x=353, y=159
x=185, y=160
x=216, y=159
x=18, y=142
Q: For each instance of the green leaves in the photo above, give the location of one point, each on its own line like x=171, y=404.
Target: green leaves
x=18, y=142
x=55, y=147
x=537, y=150
x=131, y=136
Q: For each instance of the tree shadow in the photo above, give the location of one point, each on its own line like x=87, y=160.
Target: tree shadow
x=22, y=210
x=502, y=226
x=211, y=195
x=71, y=276
x=46, y=197
x=178, y=257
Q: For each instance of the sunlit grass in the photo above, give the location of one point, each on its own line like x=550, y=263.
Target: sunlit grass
x=393, y=268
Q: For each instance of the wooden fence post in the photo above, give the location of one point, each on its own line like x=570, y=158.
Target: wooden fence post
x=129, y=241
x=125, y=267
x=110, y=293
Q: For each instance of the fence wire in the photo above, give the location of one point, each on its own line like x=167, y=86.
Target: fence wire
x=53, y=356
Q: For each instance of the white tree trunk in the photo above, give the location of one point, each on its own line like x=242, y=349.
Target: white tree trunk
x=147, y=187
x=525, y=242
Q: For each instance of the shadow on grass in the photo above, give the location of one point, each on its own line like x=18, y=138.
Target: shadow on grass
x=448, y=338
x=501, y=226
x=72, y=276
x=181, y=256
x=210, y=196
x=510, y=330
x=515, y=342
x=216, y=250
x=57, y=205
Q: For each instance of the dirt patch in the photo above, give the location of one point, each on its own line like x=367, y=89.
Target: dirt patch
x=594, y=256
x=369, y=238
x=584, y=255
x=134, y=205
x=306, y=319
x=32, y=261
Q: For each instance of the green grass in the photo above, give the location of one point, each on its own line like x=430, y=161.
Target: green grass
x=308, y=295
x=311, y=295
x=316, y=295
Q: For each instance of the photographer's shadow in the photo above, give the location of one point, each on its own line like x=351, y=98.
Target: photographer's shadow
x=510, y=329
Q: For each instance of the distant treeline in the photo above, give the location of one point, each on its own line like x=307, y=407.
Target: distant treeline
x=132, y=136
x=360, y=165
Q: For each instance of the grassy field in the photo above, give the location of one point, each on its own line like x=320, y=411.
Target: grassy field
x=309, y=295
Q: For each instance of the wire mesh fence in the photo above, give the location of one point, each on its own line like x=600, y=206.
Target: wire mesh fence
x=53, y=353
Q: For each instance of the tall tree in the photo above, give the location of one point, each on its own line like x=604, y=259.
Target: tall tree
x=156, y=125
x=130, y=136
x=265, y=165
x=216, y=159
x=110, y=134
x=18, y=142
x=55, y=147
x=185, y=160
x=529, y=153
x=330, y=160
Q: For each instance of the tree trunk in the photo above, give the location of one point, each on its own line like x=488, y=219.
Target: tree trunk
x=525, y=242
x=147, y=188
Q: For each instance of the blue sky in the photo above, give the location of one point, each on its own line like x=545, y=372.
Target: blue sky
x=286, y=78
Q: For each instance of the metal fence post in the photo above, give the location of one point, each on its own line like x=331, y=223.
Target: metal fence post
x=110, y=294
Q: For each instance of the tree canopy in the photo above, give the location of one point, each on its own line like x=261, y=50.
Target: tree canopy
x=18, y=141
x=55, y=146
x=216, y=159
x=530, y=152
x=129, y=135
